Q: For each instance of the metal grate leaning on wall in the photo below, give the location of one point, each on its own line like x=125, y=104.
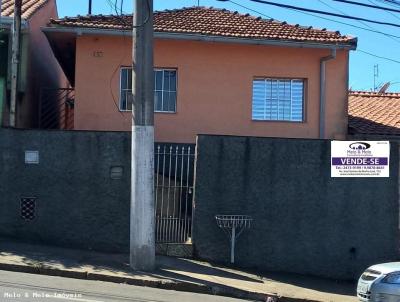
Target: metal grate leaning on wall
x=28, y=208
x=174, y=173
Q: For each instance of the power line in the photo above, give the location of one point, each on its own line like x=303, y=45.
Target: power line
x=328, y=19
x=320, y=17
x=249, y=9
x=380, y=57
x=394, y=15
x=369, y=5
x=117, y=68
x=362, y=51
x=323, y=12
x=351, y=25
x=390, y=2
x=363, y=23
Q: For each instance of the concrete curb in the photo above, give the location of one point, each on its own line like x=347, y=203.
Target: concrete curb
x=168, y=285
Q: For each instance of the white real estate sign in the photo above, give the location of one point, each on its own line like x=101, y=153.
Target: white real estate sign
x=360, y=158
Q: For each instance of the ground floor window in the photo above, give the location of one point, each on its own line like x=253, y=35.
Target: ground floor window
x=165, y=84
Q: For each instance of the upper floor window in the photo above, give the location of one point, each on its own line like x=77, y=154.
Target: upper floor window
x=278, y=99
x=164, y=90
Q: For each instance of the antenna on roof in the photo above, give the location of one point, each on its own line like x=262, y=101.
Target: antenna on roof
x=384, y=87
x=376, y=76
x=90, y=7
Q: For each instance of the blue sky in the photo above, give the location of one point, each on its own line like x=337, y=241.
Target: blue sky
x=361, y=64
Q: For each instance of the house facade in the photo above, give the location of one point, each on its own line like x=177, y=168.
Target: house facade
x=216, y=72
x=38, y=67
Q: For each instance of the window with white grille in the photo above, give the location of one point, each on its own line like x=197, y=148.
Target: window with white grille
x=164, y=90
x=278, y=99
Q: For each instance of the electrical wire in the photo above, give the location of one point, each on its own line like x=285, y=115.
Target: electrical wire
x=390, y=3
x=369, y=5
x=362, y=51
x=120, y=16
x=323, y=12
x=250, y=9
x=348, y=24
x=327, y=19
x=122, y=59
x=380, y=57
x=361, y=22
x=392, y=14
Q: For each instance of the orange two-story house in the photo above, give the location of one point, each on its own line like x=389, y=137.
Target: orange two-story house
x=216, y=72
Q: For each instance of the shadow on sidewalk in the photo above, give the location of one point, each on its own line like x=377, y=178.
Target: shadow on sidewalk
x=186, y=265
x=169, y=269
x=181, y=266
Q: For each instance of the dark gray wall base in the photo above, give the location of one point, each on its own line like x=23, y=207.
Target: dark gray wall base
x=304, y=221
x=77, y=203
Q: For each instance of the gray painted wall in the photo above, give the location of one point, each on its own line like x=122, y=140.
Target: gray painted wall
x=304, y=221
x=78, y=204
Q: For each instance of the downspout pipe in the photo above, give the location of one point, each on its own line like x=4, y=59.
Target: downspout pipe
x=322, y=92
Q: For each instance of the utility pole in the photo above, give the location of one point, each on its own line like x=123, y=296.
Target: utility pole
x=90, y=7
x=142, y=228
x=16, y=38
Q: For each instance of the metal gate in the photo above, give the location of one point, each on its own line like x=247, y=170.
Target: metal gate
x=56, y=110
x=174, y=174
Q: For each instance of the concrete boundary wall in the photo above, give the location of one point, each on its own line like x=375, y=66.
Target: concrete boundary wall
x=304, y=221
x=78, y=203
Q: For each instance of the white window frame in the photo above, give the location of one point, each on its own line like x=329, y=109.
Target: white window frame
x=162, y=90
x=121, y=90
x=290, y=120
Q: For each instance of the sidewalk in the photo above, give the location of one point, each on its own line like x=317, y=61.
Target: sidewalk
x=172, y=273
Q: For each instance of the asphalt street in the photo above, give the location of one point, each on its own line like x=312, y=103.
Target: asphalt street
x=29, y=287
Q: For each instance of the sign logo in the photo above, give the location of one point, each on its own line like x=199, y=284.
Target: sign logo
x=359, y=146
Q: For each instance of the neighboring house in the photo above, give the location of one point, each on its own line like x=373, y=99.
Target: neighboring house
x=38, y=67
x=216, y=72
x=374, y=115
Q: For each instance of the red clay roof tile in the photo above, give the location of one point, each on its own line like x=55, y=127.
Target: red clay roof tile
x=214, y=22
x=374, y=113
x=29, y=7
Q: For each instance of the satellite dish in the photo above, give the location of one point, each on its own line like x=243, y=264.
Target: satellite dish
x=384, y=88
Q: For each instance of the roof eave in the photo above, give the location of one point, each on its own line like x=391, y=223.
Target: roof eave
x=352, y=45
x=286, y=43
x=6, y=22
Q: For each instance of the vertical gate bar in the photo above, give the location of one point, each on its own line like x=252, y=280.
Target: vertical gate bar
x=193, y=205
x=169, y=191
x=171, y=222
x=163, y=228
x=192, y=196
x=162, y=192
x=174, y=212
x=156, y=203
x=180, y=195
x=187, y=193
x=157, y=226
